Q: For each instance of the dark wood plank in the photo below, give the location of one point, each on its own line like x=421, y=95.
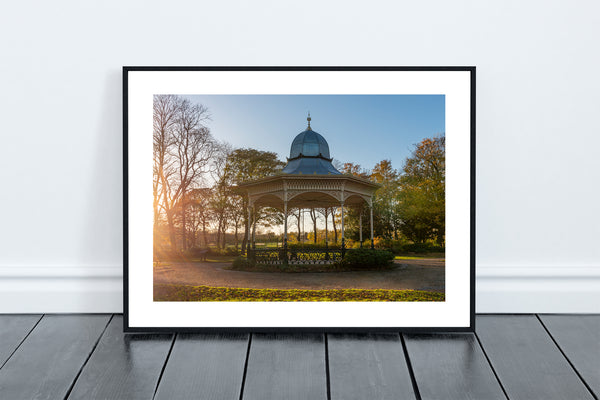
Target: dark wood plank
x=368, y=366
x=46, y=364
x=579, y=338
x=451, y=366
x=13, y=329
x=286, y=366
x=205, y=366
x=123, y=366
x=526, y=360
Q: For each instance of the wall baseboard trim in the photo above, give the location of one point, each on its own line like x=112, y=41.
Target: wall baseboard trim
x=99, y=289
x=69, y=289
x=556, y=289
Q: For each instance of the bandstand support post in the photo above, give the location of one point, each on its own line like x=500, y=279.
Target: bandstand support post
x=249, y=254
x=343, y=240
x=371, y=212
x=360, y=226
x=326, y=248
x=285, y=238
x=253, y=228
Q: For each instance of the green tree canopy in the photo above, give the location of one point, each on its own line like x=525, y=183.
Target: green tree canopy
x=386, y=198
x=249, y=164
x=422, y=201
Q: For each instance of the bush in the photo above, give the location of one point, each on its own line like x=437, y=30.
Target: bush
x=242, y=262
x=367, y=258
x=228, y=251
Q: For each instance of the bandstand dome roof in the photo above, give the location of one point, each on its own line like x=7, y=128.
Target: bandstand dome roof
x=309, y=143
x=309, y=154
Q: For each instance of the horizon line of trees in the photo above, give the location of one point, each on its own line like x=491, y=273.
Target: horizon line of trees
x=196, y=205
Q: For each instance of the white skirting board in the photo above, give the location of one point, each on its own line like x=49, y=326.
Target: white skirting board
x=93, y=289
x=518, y=290
x=49, y=289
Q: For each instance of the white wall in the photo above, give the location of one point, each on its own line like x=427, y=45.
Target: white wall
x=538, y=102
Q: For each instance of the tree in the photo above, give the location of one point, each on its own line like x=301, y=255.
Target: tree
x=183, y=150
x=355, y=170
x=194, y=146
x=200, y=214
x=333, y=211
x=313, y=216
x=297, y=214
x=385, y=199
x=250, y=164
x=164, y=119
x=222, y=194
x=422, y=200
x=237, y=217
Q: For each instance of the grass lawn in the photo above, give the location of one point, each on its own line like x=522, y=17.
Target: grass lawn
x=165, y=292
x=431, y=255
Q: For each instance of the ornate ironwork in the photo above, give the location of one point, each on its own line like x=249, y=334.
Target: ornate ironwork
x=297, y=255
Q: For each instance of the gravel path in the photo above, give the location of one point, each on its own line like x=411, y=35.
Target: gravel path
x=422, y=274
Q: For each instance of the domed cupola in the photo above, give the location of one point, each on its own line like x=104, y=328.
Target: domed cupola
x=309, y=154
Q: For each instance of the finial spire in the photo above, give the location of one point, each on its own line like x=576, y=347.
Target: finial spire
x=308, y=119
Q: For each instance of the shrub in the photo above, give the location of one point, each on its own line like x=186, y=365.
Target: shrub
x=367, y=258
x=242, y=262
x=228, y=251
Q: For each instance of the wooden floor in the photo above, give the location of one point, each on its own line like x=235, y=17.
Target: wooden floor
x=511, y=356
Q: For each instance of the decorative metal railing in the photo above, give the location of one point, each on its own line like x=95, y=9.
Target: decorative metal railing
x=297, y=255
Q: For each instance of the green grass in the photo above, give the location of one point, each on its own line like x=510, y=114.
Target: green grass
x=432, y=255
x=268, y=245
x=165, y=292
x=217, y=259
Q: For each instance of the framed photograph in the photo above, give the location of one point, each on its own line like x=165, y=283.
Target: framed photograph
x=299, y=198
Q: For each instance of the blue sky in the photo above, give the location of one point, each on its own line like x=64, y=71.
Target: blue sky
x=363, y=129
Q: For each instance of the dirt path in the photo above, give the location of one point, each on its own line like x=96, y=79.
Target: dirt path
x=423, y=274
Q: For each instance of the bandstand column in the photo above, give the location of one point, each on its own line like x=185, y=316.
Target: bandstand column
x=301, y=224
x=285, y=218
x=326, y=249
x=285, y=238
x=248, y=233
x=253, y=227
x=326, y=226
x=360, y=226
x=343, y=241
x=371, y=212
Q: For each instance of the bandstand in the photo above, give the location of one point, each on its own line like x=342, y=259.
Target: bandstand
x=308, y=181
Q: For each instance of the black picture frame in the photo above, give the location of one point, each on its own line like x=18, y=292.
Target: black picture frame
x=126, y=179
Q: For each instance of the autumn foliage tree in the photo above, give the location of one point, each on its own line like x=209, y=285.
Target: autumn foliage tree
x=422, y=201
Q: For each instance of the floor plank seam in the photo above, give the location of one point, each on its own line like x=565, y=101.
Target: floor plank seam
x=246, y=366
x=411, y=372
x=327, y=374
x=491, y=366
x=567, y=358
x=21, y=342
x=162, y=371
x=88, y=358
